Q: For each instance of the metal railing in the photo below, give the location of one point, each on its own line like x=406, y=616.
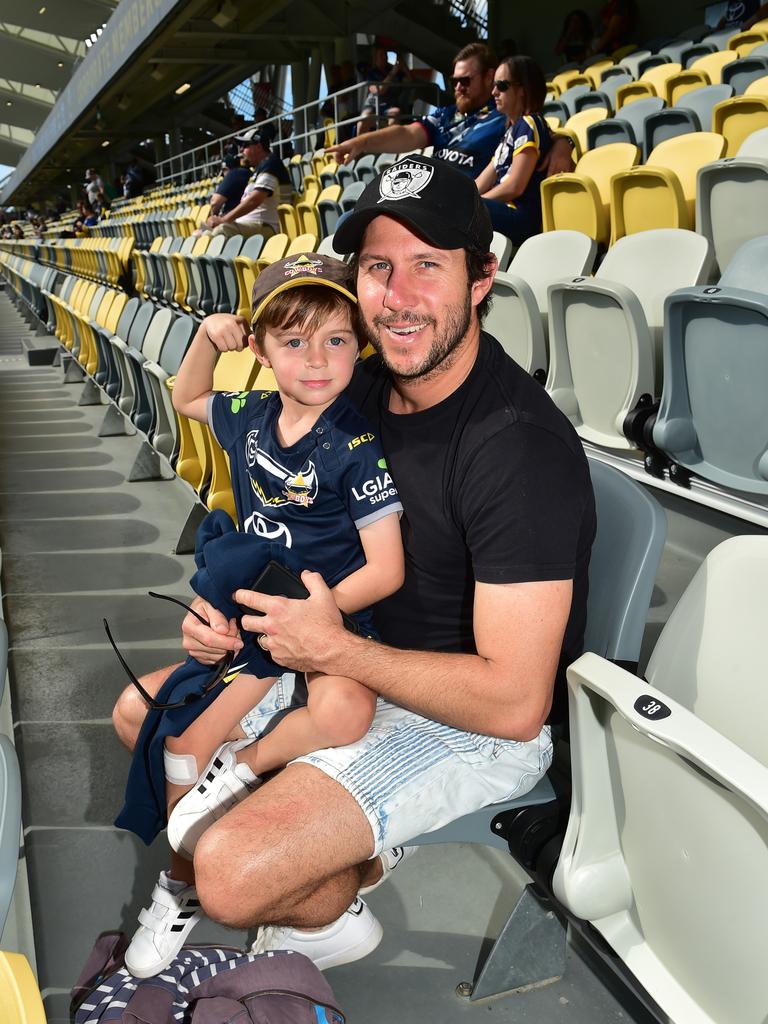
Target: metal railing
x=472, y=14
x=308, y=130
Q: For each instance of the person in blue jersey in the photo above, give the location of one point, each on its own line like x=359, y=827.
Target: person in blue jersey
x=312, y=492
x=510, y=183
x=464, y=133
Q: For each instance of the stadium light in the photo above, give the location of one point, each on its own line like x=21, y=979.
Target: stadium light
x=105, y=143
x=183, y=88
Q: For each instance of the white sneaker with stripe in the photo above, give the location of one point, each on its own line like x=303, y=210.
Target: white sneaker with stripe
x=163, y=927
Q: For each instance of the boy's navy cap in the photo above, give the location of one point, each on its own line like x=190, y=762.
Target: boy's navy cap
x=440, y=203
x=307, y=268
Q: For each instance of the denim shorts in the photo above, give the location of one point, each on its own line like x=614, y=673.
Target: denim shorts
x=409, y=774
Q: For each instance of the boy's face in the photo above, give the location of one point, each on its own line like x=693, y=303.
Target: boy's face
x=311, y=369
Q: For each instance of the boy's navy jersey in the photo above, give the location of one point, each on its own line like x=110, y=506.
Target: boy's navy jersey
x=468, y=142
x=314, y=496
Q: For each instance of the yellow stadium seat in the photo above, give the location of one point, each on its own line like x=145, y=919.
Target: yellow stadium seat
x=712, y=65
x=662, y=192
x=744, y=43
x=595, y=71
x=304, y=243
x=739, y=117
x=678, y=85
x=631, y=91
x=274, y=248
x=566, y=79
x=289, y=220
x=20, y=1000
x=580, y=200
x=246, y=271
x=579, y=122
x=758, y=87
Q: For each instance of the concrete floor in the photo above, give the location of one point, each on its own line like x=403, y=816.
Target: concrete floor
x=79, y=543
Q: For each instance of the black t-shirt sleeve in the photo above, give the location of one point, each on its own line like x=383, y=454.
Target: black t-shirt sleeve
x=522, y=505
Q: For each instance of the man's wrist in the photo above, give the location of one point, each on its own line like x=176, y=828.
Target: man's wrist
x=338, y=654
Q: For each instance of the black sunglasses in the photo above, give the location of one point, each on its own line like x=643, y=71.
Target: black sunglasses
x=462, y=80
x=502, y=84
x=220, y=670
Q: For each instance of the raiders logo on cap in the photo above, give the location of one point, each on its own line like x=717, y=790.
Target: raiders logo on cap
x=404, y=180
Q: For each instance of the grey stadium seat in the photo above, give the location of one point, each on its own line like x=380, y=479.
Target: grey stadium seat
x=711, y=418
x=668, y=829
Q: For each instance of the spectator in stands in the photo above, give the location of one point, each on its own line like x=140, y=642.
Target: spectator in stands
x=94, y=189
x=393, y=103
x=499, y=520
x=615, y=24
x=268, y=186
x=229, y=191
x=575, y=37
x=138, y=175
x=88, y=215
x=510, y=183
x=465, y=134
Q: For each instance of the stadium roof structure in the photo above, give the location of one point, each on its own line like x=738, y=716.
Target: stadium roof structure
x=41, y=43
x=123, y=88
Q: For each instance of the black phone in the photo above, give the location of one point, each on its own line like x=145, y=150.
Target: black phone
x=276, y=580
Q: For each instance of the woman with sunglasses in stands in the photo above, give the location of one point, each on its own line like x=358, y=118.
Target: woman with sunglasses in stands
x=510, y=183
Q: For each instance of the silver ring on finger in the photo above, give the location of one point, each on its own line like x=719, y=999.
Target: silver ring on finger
x=260, y=641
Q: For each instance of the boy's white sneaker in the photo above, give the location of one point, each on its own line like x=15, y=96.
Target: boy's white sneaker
x=390, y=861
x=163, y=927
x=354, y=935
x=223, y=784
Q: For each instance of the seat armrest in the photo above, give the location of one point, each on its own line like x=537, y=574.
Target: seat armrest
x=652, y=713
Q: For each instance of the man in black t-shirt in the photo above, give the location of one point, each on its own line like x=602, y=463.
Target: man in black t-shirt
x=498, y=524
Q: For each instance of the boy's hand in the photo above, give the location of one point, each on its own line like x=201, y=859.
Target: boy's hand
x=209, y=644
x=226, y=332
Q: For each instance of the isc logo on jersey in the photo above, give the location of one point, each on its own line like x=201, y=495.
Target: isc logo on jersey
x=375, y=490
x=360, y=440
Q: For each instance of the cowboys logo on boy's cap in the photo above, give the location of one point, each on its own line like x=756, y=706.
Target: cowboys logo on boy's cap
x=440, y=203
x=296, y=271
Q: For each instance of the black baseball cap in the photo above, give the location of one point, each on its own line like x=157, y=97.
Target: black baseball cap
x=440, y=203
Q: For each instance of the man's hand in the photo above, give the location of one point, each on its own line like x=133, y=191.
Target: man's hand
x=213, y=221
x=226, y=332
x=559, y=160
x=209, y=644
x=300, y=635
x=343, y=152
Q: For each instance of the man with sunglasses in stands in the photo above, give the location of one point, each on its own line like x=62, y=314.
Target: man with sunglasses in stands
x=465, y=133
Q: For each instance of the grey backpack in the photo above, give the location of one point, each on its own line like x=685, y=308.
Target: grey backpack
x=203, y=985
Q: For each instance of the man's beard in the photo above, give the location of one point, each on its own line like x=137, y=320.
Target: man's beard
x=457, y=321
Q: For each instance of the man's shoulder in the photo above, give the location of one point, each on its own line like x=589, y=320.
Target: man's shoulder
x=512, y=398
x=272, y=164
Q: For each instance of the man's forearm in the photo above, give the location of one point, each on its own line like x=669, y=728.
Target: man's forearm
x=395, y=139
x=465, y=691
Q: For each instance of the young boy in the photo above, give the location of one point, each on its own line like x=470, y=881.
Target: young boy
x=311, y=491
